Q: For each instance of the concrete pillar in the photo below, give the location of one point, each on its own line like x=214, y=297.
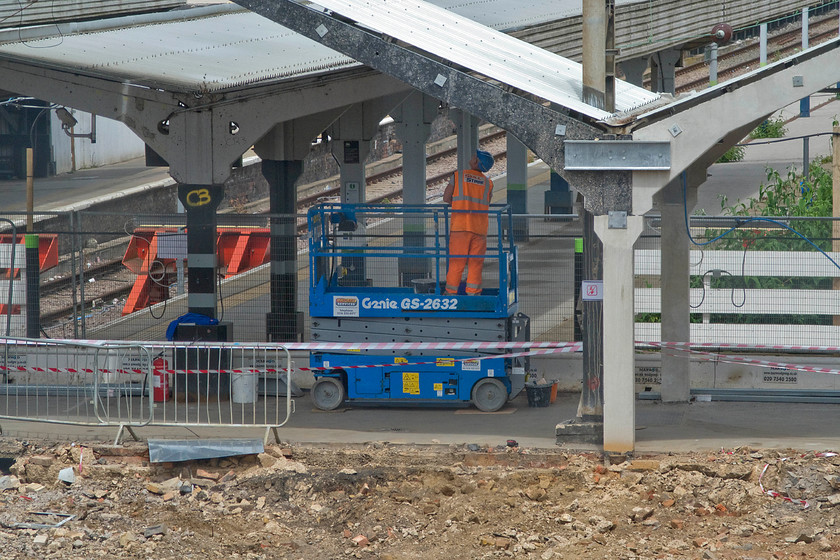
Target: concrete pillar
x=663, y=66
x=282, y=151
x=591, y=406
x=675, y=293
x=413, y=125
x=517, y=185
x=634, y=70
x=594, y=37
x=351, y=153
x=283, y=323
x=762, y=44
x=201, y=202
x=466, y=127
x=618, y=237
x=351, y=136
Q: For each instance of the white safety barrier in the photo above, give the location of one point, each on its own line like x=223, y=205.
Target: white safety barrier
x=128, y=385
x=100, y=383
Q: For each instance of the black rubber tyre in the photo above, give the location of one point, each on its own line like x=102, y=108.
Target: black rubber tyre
x=489, y=395
x=328, y=393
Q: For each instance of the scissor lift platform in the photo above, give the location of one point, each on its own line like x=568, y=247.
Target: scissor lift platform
x=377, y=275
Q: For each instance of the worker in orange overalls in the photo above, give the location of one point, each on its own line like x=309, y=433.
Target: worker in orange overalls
x=469, y=195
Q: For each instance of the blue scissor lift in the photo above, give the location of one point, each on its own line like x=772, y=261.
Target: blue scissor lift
x=377, y=274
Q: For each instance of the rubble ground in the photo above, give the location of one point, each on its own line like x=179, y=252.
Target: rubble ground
x=384, y=501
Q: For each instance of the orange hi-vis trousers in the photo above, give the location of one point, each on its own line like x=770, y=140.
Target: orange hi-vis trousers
x=466, y=243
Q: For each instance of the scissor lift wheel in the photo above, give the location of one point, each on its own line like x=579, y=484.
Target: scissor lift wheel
x=489, y=395
x=328, y=393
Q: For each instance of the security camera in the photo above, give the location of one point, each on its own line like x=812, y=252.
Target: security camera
x=67, y=120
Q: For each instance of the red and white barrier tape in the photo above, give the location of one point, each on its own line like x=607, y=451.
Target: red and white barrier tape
x=315, y=346
x=775, y=494
x=728, y=359
x=740, y=346
x=542, y=348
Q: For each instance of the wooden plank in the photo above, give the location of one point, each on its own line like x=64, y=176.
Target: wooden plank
x=710, y=333
x=737, y=301
x=756, y=263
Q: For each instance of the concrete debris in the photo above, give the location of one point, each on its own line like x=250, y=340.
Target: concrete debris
x=404, y=501
x=154, y=530
x=67, y=475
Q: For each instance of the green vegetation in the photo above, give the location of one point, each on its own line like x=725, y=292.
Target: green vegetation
x=735, y=153
x=771, y=128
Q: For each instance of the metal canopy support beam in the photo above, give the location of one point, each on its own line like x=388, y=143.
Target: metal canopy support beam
x=609, y=155
x=541, y=128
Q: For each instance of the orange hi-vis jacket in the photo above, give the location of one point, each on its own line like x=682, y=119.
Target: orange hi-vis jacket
x=470, y=202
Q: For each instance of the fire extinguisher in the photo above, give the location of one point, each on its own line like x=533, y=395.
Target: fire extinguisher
x=160, y=380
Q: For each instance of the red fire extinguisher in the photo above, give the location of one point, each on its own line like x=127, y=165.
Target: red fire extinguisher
x=160, y=380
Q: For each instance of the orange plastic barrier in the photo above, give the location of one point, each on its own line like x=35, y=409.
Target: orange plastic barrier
x=47, y=253
x=238, y=250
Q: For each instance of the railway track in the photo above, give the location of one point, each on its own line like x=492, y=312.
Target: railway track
x=739, y=60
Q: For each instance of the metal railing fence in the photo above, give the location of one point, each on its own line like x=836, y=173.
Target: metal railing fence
x=131, y=385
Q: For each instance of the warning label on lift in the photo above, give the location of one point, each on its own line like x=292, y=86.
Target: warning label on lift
x=471, y=365
x=411, y=383
x=345, y=306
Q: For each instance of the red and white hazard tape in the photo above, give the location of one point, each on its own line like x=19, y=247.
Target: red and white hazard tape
x=728, y=359
x=313, y=346
x=775, y=494
x=739, y=346
x=537, y=348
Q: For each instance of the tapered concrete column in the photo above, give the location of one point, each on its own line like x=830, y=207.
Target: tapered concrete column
x=283, y=323
x=517, y=185
x=619, y=379
x=201, y=202
x=676, y=290
x=634, y=70
x=413, y=125
x=663, y=67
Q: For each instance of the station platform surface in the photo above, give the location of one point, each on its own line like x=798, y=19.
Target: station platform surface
x=660, y=428
x=700, y=426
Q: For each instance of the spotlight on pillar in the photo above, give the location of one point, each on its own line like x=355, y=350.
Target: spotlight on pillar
x=68, y=121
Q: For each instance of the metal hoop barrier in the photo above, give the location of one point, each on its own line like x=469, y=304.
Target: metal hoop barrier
x=130, y=385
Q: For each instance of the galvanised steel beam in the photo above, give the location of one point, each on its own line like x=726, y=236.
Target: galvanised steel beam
x=542, y=128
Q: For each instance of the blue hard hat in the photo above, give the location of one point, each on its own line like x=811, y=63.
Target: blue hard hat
x=485, y=160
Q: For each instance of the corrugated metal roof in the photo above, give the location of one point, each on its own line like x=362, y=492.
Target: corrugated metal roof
x=195, y=54
x=222, y=47
x=486, y=51
x=14, y=13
